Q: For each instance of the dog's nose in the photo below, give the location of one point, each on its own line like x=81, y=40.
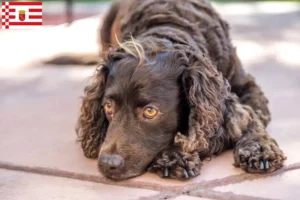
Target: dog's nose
x=111, y=162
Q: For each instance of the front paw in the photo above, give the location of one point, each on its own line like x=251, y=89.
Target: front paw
x=171, y=164
x=258, y=156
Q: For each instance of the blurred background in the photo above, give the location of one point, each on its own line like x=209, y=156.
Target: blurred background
x=90, y=7
x=60, y=13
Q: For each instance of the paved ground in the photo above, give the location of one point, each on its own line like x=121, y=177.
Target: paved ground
x=40, y=159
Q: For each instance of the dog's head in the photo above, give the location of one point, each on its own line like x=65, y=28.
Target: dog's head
x=139, y=100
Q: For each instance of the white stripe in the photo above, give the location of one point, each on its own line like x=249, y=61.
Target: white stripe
x=26, y=20
x=25, y=7
x=27, y=13
x=24, y=27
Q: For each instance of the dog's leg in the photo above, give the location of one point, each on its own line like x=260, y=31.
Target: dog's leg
x=249, y=92
x=255, y=150
x=173, y=163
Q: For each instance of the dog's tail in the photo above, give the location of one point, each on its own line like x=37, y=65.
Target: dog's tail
x=91, y=58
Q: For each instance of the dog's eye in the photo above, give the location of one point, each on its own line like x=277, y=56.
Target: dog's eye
x=150, y=112
x=108, y=108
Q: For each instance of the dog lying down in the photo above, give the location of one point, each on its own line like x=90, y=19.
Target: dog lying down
x=169, y=92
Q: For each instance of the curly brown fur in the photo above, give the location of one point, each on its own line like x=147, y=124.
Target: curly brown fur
x=92, y=124
x=182, y=61
x=255, y=151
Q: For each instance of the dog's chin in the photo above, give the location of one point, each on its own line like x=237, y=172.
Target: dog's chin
x=118, y=176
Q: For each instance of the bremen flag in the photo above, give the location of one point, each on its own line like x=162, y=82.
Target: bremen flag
x=21, y=15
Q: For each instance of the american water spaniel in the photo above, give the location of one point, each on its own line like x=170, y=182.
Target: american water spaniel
x=169, y=92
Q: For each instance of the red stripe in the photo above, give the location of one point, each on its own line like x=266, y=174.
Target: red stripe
x=12, y=17
x=35, y=10
x=3, y=3
x=35, y=17
x=25, y=3
x=25, y=23
x=9, y=10
x=3, y=23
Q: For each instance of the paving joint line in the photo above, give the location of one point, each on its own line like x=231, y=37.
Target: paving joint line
x=83, y=177
x=238, y=178
x=161, y=196
x=205, y=193
x=179, y=190
x=212, y=194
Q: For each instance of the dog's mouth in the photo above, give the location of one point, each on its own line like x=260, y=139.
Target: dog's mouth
x=120, y=174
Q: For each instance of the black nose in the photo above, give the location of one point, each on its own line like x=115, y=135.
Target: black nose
x=111, y=162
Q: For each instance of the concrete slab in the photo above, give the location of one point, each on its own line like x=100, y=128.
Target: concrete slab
x=25, y=186
x=284, y=186
x=43, y=135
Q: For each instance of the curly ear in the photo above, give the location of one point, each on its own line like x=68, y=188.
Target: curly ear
x=204, y=88
x=92, y=124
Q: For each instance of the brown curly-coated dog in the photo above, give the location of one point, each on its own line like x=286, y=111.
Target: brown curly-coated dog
x=170, y=92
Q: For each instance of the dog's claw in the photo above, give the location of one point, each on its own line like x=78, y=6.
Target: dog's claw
x=185, y=161
x=192, y=173
x=185, y=174
x=166, y=172
x=261, y=165
x=267, y=164
x=250, y=165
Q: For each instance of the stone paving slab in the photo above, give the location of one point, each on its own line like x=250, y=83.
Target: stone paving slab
x=26, y=186
x=283, y=186
x=51, y=97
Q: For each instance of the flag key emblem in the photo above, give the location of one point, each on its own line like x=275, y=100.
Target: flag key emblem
x=22, y=15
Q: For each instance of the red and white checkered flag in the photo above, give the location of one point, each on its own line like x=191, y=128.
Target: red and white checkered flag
x=21, y=15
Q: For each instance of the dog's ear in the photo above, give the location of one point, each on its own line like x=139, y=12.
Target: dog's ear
x=92, y=124
x=203, y=86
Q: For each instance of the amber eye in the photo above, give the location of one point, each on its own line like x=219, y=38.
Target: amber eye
x=108, y=108
x=150, y=112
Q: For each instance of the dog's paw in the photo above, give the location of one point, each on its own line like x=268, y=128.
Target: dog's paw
x=258, y=156
x=171, y=164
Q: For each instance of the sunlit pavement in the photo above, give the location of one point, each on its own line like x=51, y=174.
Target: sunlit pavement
x=39, y=156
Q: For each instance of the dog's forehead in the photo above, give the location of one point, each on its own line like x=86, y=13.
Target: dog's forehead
x=126, y=70
x=152, y=81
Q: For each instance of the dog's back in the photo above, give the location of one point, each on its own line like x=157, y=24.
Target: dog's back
x=191, y=22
